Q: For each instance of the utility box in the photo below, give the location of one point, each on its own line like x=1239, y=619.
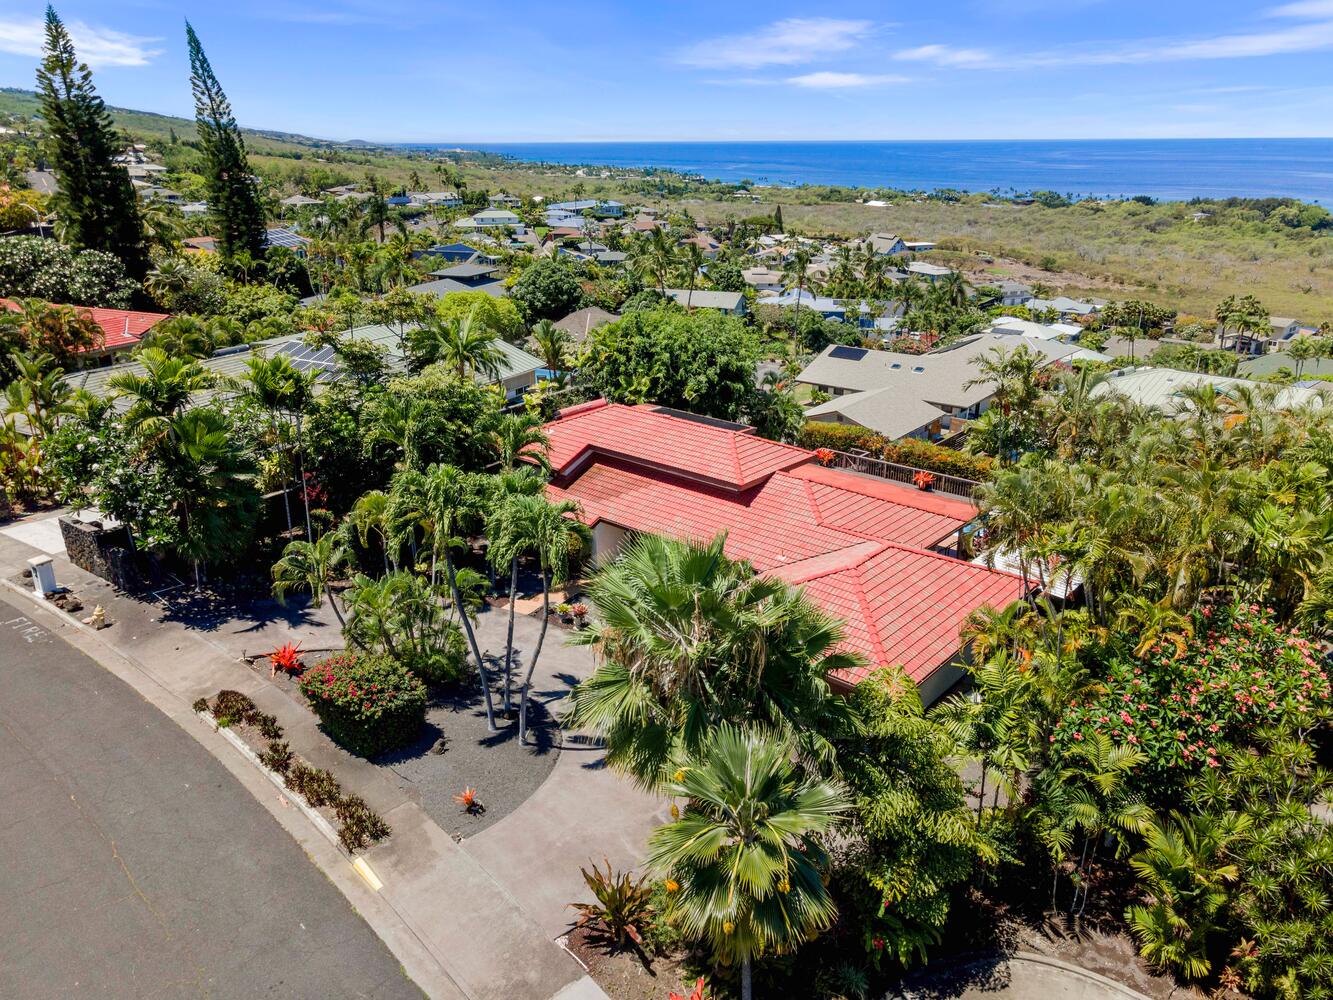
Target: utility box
x=43, y=575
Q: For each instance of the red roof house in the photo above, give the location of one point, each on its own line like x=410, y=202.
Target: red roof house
x=122, y=329
x=871, y=552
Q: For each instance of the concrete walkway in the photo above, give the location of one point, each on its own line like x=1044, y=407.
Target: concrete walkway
x=582, y=813
x=462, y=922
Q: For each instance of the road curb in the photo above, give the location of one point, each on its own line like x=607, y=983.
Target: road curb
x=419, y=960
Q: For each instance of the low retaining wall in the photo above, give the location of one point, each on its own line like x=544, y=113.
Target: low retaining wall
x=102, y=552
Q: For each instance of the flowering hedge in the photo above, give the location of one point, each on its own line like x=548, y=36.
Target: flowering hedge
x=368, y=704
x=817, y=434
x=1240, y=671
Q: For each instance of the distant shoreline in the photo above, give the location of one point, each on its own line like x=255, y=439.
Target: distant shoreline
x=1165, y=169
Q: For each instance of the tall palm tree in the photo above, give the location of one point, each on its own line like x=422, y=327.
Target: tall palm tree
x=555, y=535
x=464, y=345
x=992, y=724
x=518, y=437
x=688, y=638
x=270, y=384
x=654, y=256
x=795, y=272
x=452, y=502
x=1302, y=349
x=504, y=528
x=370, y=514
x=692, y=260
x=161, y=392
x=311, y=567
x=552, y=344
x=747, y=856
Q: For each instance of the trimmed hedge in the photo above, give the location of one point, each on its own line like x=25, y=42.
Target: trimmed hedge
x=368, y=704
x=905, y=451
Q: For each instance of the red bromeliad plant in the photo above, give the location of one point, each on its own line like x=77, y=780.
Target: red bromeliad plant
x=825, y=456
x=1183, y=707
x=467, y=798
x=286, y=658
x=924, y=480
x=696, y=994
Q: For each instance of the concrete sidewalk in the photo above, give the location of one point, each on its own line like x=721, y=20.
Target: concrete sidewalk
x=582, y=813
x=458, y=930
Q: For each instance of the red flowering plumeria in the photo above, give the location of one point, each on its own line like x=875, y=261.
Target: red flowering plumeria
x=1241, y=671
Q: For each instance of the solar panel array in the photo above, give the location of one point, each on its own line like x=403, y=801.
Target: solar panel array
x=285, y=238
x=304, y=358
x=848, y=353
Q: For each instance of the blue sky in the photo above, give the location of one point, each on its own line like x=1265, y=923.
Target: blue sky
x=514, y=70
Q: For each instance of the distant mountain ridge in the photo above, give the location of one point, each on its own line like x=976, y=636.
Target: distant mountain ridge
x=18, y=101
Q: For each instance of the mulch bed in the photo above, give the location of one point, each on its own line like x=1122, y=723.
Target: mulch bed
x=627, y=975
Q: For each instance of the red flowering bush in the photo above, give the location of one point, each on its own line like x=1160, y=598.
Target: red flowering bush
x=1241, y=671
x=368, y=704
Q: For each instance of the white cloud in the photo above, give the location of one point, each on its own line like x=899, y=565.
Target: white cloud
x=95, y=46
x=1311, y=36
x=842, y=81
x=945, y=55
x=785, y=43
x=1304, y=8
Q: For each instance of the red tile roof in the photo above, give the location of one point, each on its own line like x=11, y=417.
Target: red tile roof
x=857, y=545
x=715, y=455
x=120, y=327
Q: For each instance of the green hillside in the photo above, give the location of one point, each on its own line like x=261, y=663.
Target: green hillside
x=146, y=125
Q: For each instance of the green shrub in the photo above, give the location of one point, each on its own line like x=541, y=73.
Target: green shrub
x=358, y=826
x=278, y=757
x=267, y=725
x=200, y=705
x=368, y=704
x=231, y=707
x=321, y=788
x=442, y=667
x=905, y=451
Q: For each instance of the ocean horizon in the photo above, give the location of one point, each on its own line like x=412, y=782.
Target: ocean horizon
x=1167, y=169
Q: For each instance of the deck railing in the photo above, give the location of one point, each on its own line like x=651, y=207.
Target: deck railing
x=871, y=466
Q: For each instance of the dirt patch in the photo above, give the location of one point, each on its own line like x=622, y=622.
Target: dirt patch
x=626, y=975
x=1008, y=269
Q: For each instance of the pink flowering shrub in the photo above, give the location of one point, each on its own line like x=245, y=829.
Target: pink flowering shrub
x=368, y=704
x=1241, y=671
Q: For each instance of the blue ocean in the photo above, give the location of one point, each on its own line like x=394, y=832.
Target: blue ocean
x=1168, y=169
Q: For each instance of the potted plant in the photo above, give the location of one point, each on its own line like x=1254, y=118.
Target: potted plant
x=924, y=480
x=565, y=611
x=580, y=614
x=825, y=456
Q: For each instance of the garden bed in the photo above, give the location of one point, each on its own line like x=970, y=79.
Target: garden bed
x=356, y=825
x=456, y=751
x=626, y=975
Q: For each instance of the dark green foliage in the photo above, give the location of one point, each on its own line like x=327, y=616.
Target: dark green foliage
x=200, y=705
x=358, y=826
x=434, y=417
x=726, y=276
x=96, y=202
x=320, y=788
x=233, y=194
x=32, y=267
x=231, y=707
x=368, y=704
x=703, y=362
x=623, y=908
x=547, y=289
x=906, y=451
x=278, y=757
x=916, y=839
x=268, y=726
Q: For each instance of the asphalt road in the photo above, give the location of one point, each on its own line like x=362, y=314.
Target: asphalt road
x=132, y=864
